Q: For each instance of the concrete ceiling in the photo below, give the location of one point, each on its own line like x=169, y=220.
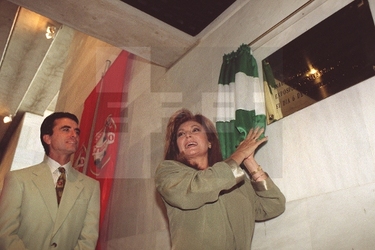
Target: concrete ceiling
x=32, y=66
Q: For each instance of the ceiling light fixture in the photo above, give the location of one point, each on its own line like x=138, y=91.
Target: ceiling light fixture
x=7, y=119
x=50, y=32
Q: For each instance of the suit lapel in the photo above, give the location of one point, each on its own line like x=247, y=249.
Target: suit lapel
x=72, y=190
x=43, y=181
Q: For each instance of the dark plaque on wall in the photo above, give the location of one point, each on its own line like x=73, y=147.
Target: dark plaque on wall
x=335, y=54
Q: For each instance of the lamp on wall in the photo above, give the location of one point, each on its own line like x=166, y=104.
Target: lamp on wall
x=7, y=119
x=50, y=32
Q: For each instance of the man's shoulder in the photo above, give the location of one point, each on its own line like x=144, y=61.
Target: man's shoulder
x=27, y=174
x=34, y=168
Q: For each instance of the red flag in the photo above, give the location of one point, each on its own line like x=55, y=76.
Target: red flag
x=100, y=132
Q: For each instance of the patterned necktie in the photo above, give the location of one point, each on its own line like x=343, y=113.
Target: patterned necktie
x=60, y=184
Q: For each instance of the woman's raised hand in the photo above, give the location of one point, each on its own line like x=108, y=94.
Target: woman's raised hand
x=248, y=146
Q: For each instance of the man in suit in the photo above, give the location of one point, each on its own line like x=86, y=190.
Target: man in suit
x=30, y=216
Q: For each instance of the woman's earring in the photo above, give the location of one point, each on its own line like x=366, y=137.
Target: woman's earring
x=209, y=145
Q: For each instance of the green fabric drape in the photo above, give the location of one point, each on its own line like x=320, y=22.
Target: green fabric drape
x=240, y=99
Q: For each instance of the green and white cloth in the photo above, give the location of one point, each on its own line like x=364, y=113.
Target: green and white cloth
x=240, y=99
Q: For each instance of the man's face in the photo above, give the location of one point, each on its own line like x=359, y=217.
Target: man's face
x=64, y=139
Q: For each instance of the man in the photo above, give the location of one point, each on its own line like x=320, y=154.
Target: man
x=30, y=215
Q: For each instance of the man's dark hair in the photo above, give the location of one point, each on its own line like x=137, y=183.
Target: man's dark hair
x=49, y=122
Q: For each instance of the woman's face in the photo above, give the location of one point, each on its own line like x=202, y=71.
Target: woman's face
x=192, y=140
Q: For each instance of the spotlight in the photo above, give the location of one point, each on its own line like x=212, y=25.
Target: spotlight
x=7, y=119
x=50, y=32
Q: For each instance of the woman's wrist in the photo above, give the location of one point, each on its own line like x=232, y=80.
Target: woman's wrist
x=259, y=169
x=237, y=157
x=259, y=176
x=251, y=164
x=255, y=170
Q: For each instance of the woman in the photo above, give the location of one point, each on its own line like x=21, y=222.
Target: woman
x=211, y=204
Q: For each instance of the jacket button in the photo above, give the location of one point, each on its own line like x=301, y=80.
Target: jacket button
x=54, y=244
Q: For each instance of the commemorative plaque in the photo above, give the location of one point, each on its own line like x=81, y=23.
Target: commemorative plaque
x=334, y=55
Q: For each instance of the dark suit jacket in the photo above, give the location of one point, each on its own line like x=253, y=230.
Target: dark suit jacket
x=31, y=219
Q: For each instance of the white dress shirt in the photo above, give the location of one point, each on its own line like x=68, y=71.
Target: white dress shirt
x=54, y=167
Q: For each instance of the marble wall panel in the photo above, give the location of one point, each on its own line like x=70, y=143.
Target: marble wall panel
x=289, y=231
x=326, y=146
x=343, y=219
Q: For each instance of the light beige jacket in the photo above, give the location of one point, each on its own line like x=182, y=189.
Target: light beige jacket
x=30, y=218
x=212, y=209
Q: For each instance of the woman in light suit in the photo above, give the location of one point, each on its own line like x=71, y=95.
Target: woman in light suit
x=211, y=203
